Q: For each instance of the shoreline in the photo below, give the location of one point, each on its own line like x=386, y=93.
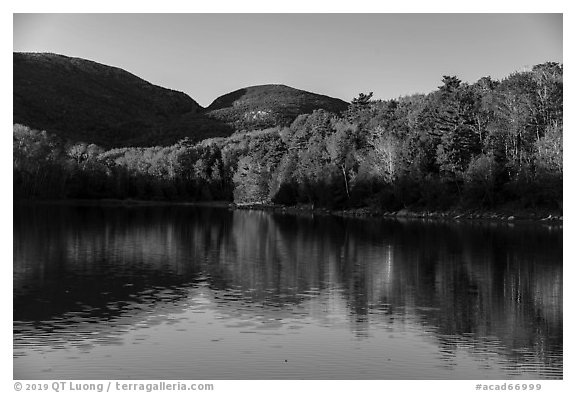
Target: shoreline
x=507, y=215
x=119, y=202
x=502, y=214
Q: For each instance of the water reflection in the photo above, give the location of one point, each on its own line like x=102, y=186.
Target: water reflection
x=87, y=276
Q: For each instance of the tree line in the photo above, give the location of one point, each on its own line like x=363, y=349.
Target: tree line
x=487, y=144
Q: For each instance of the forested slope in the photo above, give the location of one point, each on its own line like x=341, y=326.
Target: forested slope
x=81, y=100
x=488, y=144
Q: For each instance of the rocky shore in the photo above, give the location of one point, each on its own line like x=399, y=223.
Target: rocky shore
x=456, y=214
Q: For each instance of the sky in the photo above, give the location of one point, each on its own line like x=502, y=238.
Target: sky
x=340, y=55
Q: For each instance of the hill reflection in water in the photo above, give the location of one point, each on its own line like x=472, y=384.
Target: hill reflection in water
x=87, y=278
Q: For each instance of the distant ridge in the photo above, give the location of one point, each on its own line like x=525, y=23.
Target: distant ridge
x=269, y=105
x=82, y=100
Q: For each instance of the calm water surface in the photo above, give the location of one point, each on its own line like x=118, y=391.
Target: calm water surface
x=185, y=292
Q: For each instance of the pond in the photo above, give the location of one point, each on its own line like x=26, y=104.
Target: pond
x=193, y=292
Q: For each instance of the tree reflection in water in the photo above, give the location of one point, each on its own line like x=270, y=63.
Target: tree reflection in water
x=492, y=288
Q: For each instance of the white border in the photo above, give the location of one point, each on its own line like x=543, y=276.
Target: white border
x=301, y=6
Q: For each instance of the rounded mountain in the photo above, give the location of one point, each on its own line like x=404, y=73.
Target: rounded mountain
x=268, y=106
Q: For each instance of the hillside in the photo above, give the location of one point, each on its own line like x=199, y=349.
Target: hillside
x=269, y=105
x=82, y=100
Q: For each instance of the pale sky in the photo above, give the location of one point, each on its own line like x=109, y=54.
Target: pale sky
x=340, y=55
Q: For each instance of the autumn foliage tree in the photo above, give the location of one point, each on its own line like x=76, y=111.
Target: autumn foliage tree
x=486, y=144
